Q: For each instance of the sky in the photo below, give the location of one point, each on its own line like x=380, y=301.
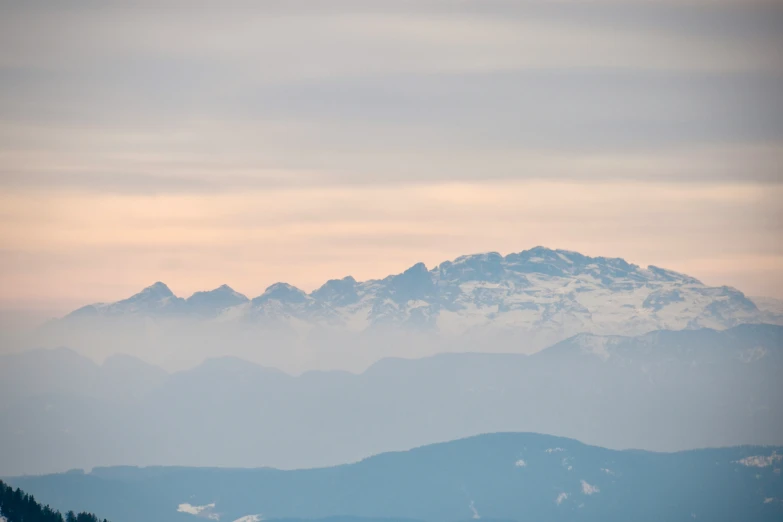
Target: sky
x=203, y=143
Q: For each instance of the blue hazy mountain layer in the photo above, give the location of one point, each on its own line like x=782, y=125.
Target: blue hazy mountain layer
x=503, y=476
x=664, y=391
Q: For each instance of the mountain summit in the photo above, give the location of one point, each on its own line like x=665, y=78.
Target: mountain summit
x=213, y=301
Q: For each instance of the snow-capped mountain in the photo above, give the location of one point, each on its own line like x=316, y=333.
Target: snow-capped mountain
x=155, y=299
x=518, y=303
x=539, y=290
x=158, y=299
x=211, y=302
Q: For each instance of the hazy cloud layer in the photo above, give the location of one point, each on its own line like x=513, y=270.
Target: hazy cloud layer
x=193, y=141
x=99, y=247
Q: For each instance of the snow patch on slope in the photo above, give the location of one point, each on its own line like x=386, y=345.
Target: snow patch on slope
x=760, y=461
x=589, y=489
x=205, y=511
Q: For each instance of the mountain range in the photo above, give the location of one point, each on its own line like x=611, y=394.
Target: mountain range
x=518, y=303
x=537, y=288
x=496, y=477
x=662, y=391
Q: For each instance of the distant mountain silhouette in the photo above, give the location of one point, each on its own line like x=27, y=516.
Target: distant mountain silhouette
x=666, y=390
x=503, y=476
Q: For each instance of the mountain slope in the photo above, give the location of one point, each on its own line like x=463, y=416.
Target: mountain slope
x=661, y=391
x=504, y=476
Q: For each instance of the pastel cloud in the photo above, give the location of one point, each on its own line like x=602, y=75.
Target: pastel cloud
x=298, y=142
x=102, y=247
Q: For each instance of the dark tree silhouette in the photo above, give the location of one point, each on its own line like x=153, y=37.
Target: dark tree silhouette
x=17, y=506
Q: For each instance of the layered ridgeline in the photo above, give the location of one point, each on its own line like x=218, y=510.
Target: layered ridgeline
x=519, y=303
x=666, y=390
x=505, y=476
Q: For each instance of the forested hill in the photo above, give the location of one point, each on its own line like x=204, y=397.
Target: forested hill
x=17, y=506
x=497, y=477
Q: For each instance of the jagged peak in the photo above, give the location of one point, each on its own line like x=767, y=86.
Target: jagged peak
x=157, y=290
x=349, y=280
x=221, y=296
x=567, y=262
x=486, y=266
x=665, y=273
x=417, y=268
x=336, y=285
x=417, y=272
x=559, y=253
x=338, y=291
x=156, y=297
x=222, y=289
x=281, y=285
x=482, y=256
x=539, y=248
x=283, y=292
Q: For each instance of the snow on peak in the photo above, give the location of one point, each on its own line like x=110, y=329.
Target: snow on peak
x=486, y=257
x=223, y=293
x=338, y=292
x=155, y=298
x=413, y=284
x=153, y=293
x=550, y=295
x=476, y=267
x=157, y=290
x=671, y=275
x=282, y=292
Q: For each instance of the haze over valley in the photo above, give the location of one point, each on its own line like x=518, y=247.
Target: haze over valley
x=518, y=303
